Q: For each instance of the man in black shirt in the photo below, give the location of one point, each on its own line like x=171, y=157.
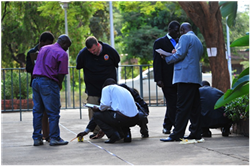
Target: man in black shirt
x=99, y=61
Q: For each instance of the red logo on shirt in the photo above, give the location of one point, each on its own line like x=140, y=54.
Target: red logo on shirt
x=106, y=57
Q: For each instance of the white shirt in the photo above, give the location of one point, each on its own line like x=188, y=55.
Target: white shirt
x=117, y=98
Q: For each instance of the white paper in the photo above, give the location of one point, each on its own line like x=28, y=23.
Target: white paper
x=214, y=51
x=209, y=52
x=91, y=105
x=160, y=51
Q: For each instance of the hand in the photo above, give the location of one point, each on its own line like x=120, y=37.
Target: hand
x=99, y=135
x=160, y=84
x=81, y=134
x=162, y=56
x=95, y=109
x=174, y=51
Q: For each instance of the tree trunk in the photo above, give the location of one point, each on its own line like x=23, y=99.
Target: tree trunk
x=207, y=17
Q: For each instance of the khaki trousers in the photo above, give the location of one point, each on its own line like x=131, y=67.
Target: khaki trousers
x=93, y=100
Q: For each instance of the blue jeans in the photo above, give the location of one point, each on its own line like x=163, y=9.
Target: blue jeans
x=46, y=96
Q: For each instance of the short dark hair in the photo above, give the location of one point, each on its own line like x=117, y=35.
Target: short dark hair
x=173, y=24
x=205, y=83
x=90, y=41
x=45, y=36
x=109, y=81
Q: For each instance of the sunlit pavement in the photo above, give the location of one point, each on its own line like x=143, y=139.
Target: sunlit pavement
x=17, y=145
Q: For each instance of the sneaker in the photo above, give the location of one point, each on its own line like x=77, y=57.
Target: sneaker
x=38, y=142
x=54, y=142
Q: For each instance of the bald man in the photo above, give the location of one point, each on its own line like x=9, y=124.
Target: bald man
x=49, y=71
x=187, y=77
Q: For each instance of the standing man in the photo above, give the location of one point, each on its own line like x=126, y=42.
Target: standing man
x=163, y=73
x=49, y=71
x=187, y=76
x=46, y=38
x=99, y=61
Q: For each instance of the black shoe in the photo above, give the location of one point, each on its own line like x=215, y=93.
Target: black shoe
x=127, y=138
x=206, y=134
x=145, y=135
x=93, y=135
x=169, y=139
x=166, y=131
x=192, y=137
x=225, y=132
x=115, y=137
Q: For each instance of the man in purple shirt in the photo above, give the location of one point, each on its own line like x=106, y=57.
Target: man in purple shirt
x=49, y=71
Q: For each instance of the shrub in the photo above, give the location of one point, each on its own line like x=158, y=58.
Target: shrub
x=11, y=79
x=237, y=109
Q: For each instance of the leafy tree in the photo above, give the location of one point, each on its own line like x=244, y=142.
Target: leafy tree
x=23, y=22
x=144, y=22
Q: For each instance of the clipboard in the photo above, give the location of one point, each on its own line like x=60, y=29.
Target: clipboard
x=91, y=105
x=33, y=57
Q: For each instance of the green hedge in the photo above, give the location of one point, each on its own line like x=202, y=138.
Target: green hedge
x=11, y=79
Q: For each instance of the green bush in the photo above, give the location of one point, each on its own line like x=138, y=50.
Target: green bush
x=11, y=79
x=237, y=109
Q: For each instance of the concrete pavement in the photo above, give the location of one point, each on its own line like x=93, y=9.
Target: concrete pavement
x=17, y=145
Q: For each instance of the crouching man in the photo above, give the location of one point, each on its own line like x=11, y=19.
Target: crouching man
x=117, y=112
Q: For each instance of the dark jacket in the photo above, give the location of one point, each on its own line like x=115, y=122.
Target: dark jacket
x=142, y=104
x=162, y=71
x=29, y=64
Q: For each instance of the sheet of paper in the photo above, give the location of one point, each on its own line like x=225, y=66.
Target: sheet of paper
x=161, y=51
x=91, y=105
x=214, y=51
x=209, y=52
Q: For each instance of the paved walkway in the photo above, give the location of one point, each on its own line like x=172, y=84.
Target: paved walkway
x=17, y=145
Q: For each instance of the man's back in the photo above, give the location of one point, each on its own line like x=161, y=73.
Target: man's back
x=187, y=66
x=211, y=118
x=51, y=61
x=209, y=97
x=118, y=99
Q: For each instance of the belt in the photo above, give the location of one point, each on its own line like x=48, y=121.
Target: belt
x=44, y=77
x=126, y=116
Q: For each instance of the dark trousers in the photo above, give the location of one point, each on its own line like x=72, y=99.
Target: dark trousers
x=111, y=122
x=170, y=93
x=188, y=108
x=143, y=125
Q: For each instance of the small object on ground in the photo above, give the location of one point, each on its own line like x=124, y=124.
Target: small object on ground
x=191, y=141
x=80, y=139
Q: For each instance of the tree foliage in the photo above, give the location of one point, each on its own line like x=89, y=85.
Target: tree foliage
x=137, y=24
x=23, y=23
x=144, y=22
